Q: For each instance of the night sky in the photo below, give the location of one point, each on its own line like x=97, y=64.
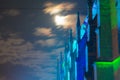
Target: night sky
x=31, y=40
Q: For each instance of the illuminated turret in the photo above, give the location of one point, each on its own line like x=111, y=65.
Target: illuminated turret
x=61, y=67
x=70, y=40
x=78, y=27
x=58, y=69
x=66, y=66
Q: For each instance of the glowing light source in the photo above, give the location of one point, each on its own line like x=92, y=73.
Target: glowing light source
x=59, y=20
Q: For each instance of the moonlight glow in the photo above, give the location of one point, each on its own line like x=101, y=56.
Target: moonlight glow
x=59, y=20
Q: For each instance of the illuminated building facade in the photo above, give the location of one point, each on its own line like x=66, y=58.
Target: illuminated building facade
x=94, y=53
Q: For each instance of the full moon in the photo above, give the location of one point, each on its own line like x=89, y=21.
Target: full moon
x=59, y=20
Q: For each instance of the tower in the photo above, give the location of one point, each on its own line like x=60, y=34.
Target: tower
x=107, y=66
x=92, y=43
x=66, y=62
x=72, y=55
x=58, y=69
x=81, y=48
x=78, y=28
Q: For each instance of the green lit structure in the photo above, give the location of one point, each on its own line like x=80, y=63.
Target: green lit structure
x=102, y=47
x=108, y=30
x=108, y=64
x=108, y=70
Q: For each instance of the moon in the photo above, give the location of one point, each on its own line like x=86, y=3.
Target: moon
x=59, y=20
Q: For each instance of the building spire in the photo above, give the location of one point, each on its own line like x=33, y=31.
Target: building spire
x=70, y=32
x=70, y=40
x=78, y=27
x=78, y=19
x=58, y=69
x=61, y=67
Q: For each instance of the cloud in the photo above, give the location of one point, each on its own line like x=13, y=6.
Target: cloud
x=12, y=47
x=43, y=32
x=11, y=12
x=47, y=73
x=65, y=21
x=3, y=78
x=17, y=51
x=70, y=21
x=48, y=42
x=52, y=8
x=48, y=68
x=1, y=17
